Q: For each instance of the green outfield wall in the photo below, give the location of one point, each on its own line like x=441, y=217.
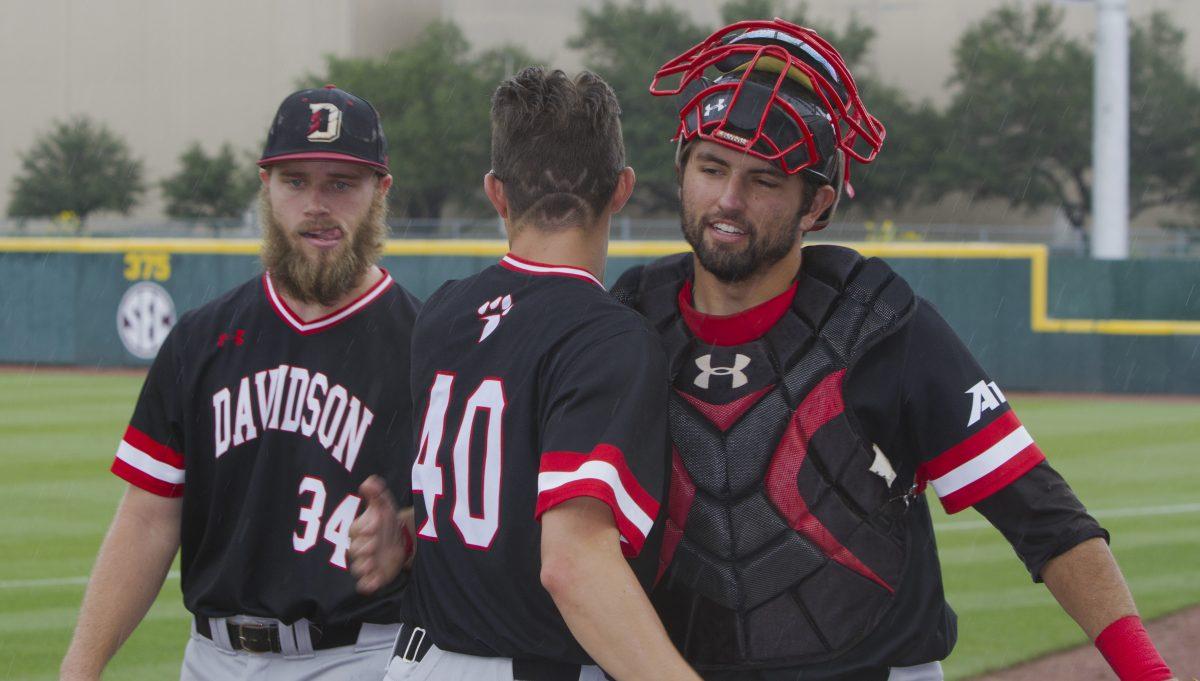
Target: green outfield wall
x=1036, y=322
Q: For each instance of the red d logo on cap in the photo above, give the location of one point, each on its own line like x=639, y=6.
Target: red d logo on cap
x=332, y=127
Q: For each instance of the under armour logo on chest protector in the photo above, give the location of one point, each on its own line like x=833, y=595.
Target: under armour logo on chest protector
x=707, y=371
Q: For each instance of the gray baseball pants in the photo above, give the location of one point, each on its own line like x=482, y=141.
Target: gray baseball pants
x=443, y=665
x=216, y=660
x=931, y=671
x=440, y=664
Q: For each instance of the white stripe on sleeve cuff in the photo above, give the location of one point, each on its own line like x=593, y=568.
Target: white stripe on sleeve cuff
x=604, y=472
x=149, y=465
x=980, y=466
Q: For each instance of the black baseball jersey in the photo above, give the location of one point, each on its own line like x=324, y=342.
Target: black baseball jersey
x=908, y=407
x=266, y=425
x=533, y=387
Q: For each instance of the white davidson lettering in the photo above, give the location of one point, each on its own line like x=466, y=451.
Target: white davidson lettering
x=269, y=398
x=220, y=403
x=309, y=425
x=353, y=432
x=295, y=400
x=328, y=427
x=243, y=426
x=309, y=406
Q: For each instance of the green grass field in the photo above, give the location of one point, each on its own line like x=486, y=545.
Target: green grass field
x=1134, y=462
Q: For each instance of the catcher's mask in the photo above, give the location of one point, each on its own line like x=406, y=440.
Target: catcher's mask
x=782, y=94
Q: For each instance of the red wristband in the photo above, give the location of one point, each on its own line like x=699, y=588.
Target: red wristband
x=1128, y=649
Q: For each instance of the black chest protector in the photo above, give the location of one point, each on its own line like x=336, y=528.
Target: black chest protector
x=785, y=542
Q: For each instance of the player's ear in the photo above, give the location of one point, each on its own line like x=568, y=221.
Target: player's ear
x=682, y=155
x=624, y=189
x=385, y=183
x=494, y=188
x=822, y=199
x=264, y=175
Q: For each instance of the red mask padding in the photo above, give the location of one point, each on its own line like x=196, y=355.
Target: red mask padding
x=783, y=94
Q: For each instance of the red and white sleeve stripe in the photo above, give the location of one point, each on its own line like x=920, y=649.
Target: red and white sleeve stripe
x=149, y=464
x=603, y=474
x=983, y=464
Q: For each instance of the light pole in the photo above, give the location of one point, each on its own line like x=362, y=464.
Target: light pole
x=1110, y=133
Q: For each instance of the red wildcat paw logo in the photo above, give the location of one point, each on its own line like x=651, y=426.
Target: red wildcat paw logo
x=491, y=312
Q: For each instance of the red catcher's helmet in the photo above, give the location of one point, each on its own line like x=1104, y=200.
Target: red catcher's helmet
x=781, y=93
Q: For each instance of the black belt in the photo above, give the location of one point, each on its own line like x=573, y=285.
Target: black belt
x=264, y=637
x=414, y=642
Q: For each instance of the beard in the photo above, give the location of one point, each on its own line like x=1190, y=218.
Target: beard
x=329, y=276
x=764, y=246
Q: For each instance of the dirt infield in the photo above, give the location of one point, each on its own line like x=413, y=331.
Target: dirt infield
x=1177, y=637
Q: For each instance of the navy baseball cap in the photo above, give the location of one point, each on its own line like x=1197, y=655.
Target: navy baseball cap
x=326, y=124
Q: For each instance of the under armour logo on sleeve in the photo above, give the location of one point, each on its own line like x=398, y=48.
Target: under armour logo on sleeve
x=707, y=370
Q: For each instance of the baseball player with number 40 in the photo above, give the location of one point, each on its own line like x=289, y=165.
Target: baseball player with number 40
x=262, y=414
x=542, y=453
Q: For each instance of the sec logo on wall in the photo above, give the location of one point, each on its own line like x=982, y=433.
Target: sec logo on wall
x=144, y=318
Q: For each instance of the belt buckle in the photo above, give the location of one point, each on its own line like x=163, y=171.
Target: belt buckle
x=415, y=648
x=259, y=640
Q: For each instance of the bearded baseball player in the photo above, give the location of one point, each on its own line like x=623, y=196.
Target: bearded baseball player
x=542, y=449
x=261, y=416
x=815, y=396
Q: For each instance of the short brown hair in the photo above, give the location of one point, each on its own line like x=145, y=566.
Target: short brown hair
x=556, y=145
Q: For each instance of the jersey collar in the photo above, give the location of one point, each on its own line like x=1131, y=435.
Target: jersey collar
x=332, y=319
x=734, y=329
x=518, y=264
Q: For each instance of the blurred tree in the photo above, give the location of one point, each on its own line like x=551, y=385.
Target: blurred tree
x=895, y=178
x=899, y=175
x=78, y=167
x=217, y=186
x=1020, y=124
x=853, y=42
x=434, y=99
x=498, y=63
x=1164, y=119
x=625, y=43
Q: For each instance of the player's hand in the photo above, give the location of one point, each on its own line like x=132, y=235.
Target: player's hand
x=381, y=539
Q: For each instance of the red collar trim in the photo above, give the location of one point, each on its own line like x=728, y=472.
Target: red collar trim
x=332, y=319
x=738, y=328
x=518, y=264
